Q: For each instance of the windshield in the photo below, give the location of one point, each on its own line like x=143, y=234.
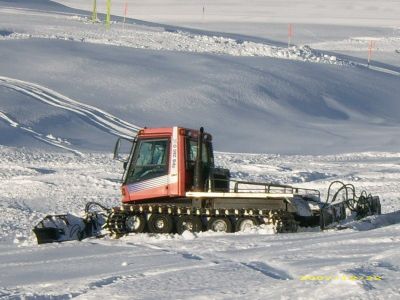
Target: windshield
x=150, y=160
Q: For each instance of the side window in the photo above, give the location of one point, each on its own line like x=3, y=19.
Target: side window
x=192, y=151
x=150, y=160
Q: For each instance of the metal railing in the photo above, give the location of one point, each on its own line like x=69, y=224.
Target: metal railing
x=263, y=187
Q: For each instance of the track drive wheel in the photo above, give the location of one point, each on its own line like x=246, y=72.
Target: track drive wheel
x=116, y=224
x=246, y=223
x=160, y=223
x=135, y=223
x=287, y=224
x=220, y=224
x=190, y=223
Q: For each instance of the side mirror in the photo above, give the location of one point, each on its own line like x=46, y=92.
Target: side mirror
x=125, y=164
x=127, y=146
x=116, y=149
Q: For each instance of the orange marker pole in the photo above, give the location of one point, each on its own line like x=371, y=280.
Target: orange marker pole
x=371, y=46
x=290, y=35
x=125, y=12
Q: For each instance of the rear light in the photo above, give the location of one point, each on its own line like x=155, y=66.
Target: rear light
x=191, y=133
x=141, y=131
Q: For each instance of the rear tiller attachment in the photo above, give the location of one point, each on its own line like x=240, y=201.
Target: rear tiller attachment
x=350, y=205
x=67, y=227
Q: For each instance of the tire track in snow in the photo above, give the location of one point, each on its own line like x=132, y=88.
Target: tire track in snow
x=213, y=259
x=268, y=270
x=48, y=139
x=97, y=117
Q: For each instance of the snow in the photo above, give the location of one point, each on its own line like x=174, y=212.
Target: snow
x=156, y=75
x=317, y=23
x=358, y=12
x=69, y=88
x=298, y=108
x=142, y=38
x=163, y=75
x=94, y=115
x=257, y=263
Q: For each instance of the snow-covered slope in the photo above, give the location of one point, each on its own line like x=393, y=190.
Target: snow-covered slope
x=69, y=87
x=298, y=100
x=338, y=12
x=343, y=26
x=34, y=183
x=312, y=265
x=49, y=112
x=257, y=264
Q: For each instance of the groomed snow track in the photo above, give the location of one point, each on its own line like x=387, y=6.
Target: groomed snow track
x=90, y=114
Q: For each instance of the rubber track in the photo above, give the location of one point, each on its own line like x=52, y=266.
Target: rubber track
x=284, y=221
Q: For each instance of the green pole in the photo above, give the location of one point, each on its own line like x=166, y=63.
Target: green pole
x=94, y=14
x=108, y=18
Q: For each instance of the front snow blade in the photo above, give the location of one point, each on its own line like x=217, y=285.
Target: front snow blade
x=67, y=227
x=47, y=235
x=60, y=228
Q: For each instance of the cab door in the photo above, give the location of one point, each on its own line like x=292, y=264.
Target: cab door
x=147, y=175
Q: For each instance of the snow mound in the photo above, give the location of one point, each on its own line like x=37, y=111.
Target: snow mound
x=81, y=29
x=381, y=44
x=294, y=106
x=373, y=222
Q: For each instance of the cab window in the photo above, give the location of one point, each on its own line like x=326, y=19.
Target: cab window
x=191, y=153
x=150, y=160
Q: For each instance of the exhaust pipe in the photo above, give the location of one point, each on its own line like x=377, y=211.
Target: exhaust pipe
x=198, y=180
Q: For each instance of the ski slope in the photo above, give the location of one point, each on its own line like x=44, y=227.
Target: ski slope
x=362, y=263
x=210, y=266
x=339, y=12
x=303, y=100
x=314, y=111
x=339, y=26
x=93, y=115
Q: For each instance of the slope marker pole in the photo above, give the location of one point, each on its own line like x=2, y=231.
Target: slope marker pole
x=371, y=46
x=290, y=35
x=94, y=14
x=108, y=17
x=125, y=13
